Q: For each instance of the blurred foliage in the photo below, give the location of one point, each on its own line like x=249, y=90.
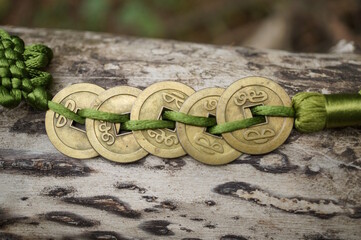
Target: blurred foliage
x=140, y=18
x=305, y=25
x=93, y=14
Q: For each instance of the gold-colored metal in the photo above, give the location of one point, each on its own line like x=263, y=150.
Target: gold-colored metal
x=199, y=144
x=235, y=104
x=63, y=133
x=106, y=137
x=149, y=106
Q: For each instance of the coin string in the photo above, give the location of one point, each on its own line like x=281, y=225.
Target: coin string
x=22, y=78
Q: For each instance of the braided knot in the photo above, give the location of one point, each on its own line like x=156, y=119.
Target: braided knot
x=20, y=74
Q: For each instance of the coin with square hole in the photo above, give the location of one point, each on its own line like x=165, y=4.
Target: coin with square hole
x=236, y=103
x=196, y=141
x=107, y=138
x=66, y=135
x=149, y=105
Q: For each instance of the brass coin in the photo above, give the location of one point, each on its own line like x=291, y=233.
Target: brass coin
x=67, y=136
x=149, y=106
x=203, y=146
x=235, y=104
x=106, y=137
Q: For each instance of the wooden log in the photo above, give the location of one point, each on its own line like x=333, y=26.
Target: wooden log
x=309, y=188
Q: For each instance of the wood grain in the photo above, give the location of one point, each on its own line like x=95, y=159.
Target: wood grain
x=309, y=188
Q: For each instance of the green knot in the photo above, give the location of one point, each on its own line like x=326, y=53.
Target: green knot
x=20, y=72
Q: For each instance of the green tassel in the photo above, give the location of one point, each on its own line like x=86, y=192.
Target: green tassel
x=315, y=111
x=310, y=111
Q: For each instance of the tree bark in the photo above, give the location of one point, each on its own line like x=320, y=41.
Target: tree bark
x=309, y=188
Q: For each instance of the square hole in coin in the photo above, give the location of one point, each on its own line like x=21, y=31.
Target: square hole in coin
x=247, y=113
x=161, y=114
x=118, y=130
x=76, y=125
x=207, y=129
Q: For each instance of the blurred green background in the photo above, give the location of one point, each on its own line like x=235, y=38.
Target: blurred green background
x=299, y=26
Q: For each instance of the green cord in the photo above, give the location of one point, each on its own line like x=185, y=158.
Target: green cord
x=236, y=125
x=312, y=112
x=189, y=119
x=135, y=125
x=275, y=111
x=104, y=116
x=60, y=109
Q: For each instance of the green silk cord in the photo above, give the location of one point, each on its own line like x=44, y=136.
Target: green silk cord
x=275, y=111
x=134, y=125
x=62, y=110
x=189, y=119
x=236, y=125
x=312, y=112
x=343, y=110
x=103, y=116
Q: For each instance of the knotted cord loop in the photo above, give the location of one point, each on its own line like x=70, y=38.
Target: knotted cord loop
x=20, y=74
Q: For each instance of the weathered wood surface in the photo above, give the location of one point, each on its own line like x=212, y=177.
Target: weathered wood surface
x=310, y=188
